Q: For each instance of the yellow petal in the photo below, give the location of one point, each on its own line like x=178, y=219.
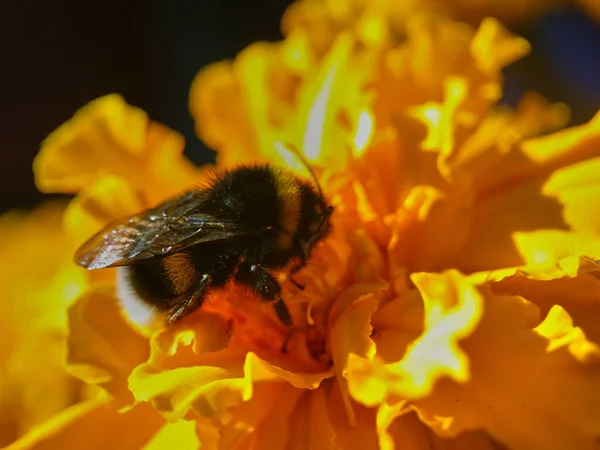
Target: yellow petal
x=577, y=290
x=349, y=333
x=577, y=187
x=39, y=281
x=396, y=325
x=209, y=383
x=431, y=227
x=93, y=425
x=453, y=308
x=509, y=391
x=109, y=136
x=108, y=199
x=334, y=91
x=437, y=48
x=551, y=246
x=507, y=49
x=221, y=116
x=102, y=348
x=181, y=435
x=565, y=147
x=496, y=219
x=452, y=311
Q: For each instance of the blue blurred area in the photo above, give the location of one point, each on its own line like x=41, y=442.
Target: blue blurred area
x=564, y=64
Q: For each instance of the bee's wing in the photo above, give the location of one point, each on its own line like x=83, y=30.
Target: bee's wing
x=165, y=229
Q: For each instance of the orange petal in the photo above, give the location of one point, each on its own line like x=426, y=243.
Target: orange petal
x=109, y=136
x=101, y=347
x=350, y=333
x=220, y=111
x=405, y=431
x=358, y=434
x=509, y=391
x=577, y=187
x=431, y=227
x=309, y=424
x=536, y=158
x=266, y=420
x=576, y=289
x=93, y=425
x=496, y=219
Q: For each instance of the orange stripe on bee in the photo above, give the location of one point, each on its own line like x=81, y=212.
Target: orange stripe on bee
x=180, y=270
x=289, y=194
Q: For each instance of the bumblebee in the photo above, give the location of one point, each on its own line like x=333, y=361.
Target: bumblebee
x=246, y=225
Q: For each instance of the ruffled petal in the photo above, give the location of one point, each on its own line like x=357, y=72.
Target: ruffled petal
x=453, y=308
x=350, y=332
x=110, y=137
x=407, y=432
x=187, y=371
x=496, y=220
x=101, y=347
x=497, y=379
x=577, y=187
x=509, y=391
x=572, y=283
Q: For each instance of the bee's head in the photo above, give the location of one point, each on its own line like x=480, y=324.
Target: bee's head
x=314, y=218
x=315, y=212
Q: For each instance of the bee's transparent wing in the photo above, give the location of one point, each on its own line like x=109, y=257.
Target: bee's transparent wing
x=168, y=228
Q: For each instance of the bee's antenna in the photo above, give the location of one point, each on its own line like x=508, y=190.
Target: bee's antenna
x=327, y=210
x=293, y=149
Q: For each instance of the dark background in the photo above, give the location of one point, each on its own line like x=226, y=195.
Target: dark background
x=58, y=55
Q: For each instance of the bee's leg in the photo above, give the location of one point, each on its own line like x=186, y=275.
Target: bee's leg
x=294, y=271
x=257, y=278
x=298, y=267
x=191, y=300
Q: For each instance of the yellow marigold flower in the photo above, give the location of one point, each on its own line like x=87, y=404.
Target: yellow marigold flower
x=454, y=304
x=39, y=281
x=381, y=22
